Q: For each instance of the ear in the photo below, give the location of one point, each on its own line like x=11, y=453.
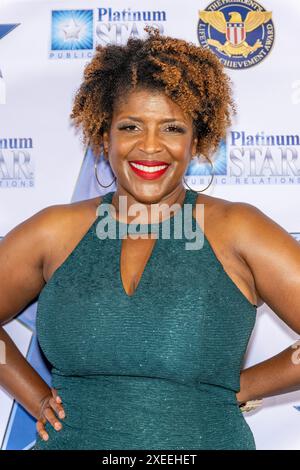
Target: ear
x=194, y=146
x=105, y=140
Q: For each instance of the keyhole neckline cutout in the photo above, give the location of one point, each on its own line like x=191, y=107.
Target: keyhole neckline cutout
x=190, y=197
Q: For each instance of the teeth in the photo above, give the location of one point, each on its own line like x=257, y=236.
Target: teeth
x=148, y=169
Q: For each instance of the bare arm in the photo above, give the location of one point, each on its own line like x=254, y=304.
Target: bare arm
x=279, y=374
x=274, y=259
x=20, y=380
x=22, y=253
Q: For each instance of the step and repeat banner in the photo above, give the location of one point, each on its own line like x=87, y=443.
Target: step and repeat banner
x=44, y=46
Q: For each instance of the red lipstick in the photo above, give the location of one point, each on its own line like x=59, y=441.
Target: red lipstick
x=140, y=167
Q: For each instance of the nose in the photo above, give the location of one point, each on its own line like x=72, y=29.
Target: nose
x=150, y=142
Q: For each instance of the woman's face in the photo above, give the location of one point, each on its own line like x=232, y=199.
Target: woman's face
x=150, y=143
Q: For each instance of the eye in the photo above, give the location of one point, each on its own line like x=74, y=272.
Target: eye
x=126, y=127
x=175, y=128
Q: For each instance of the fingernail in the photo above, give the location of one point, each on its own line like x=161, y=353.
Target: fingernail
x=57, y=426
x=45, y=437
x=58, y=399
x=61, y=414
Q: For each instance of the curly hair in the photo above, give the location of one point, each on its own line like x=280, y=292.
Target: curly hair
x=193, y=77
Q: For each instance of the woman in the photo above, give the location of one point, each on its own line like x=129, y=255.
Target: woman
x=146, y=337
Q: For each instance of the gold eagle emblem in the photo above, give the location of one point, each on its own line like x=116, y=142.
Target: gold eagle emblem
x=235, y=30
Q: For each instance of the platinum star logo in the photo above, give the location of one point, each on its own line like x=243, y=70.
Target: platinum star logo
x=72, y=30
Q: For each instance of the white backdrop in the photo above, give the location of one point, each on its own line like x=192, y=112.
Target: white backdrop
x=44, y=46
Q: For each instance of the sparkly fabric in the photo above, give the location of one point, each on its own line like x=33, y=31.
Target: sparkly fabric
x=157, y=370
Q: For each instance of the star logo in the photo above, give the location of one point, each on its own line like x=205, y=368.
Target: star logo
x=72, y=30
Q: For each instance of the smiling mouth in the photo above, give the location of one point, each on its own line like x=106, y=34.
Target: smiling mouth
x=149, y=170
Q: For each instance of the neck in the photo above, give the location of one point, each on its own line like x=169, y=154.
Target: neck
x=132, y=206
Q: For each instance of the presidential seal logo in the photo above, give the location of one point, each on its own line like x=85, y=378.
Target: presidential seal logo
x=240, y=33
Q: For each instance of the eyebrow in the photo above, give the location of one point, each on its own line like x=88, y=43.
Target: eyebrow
x=134, y=118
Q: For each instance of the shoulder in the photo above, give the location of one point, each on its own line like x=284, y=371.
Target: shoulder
x=59, y=217
x=235, y=217
x=26, y=248
x=65, y=225
x=256, y=232
x=215, y=216
x=213, y=204
x=62, y=224
x=52, y=227
x=244, y=225
x=52, y=219
x=262, y=241
x=266, y=248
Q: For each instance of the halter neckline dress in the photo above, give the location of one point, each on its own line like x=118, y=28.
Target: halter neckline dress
x=159, y=369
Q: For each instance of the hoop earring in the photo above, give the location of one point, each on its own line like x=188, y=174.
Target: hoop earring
x=201, y=191
x=96, y=175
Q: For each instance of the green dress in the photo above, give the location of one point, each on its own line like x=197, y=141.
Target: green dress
x=156, y=370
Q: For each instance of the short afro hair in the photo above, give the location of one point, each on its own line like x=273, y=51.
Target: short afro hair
x=193, y=77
